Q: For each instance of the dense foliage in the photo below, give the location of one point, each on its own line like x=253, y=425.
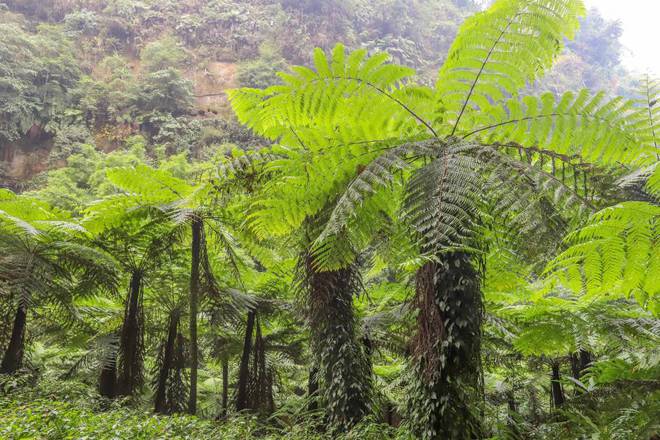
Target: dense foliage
x=386, y=242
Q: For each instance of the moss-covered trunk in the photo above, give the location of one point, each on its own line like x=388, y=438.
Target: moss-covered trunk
x=344, y=373
x=446, y=396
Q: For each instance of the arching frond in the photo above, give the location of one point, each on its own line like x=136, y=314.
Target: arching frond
x=584, y=124
x=500, y=51
x=345, y=98
x=150, y=183
x=616, y=253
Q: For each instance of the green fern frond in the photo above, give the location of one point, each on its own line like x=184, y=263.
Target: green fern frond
x=500, y=51
x=596, y=129
x=616, y=253
x=346, y=98
x=650, y=111
x=149, y=183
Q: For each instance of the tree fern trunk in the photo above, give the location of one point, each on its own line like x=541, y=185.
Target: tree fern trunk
x=197, y=226
x=160, y=403
x=244, y=369
x=130, y=345
x=13, y=358
x=313, y=389
x=556, y=390
x=225, y=386
x=446, y=398
x=260, y=395
x=344, y=374
x=108, y=380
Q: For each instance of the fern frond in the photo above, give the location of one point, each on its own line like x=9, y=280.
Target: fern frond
x=346, y=98
x=616, y=253
x=500, y=51
x=148, y=182
x=589, y=126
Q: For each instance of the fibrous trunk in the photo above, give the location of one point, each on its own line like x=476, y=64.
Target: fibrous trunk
x=167, y=363
x=344, y=373
x=197, y=226
x=108, y=377
x=130, y=344
x=447, y=387
x=580, y=361
x=225, y=386
x=556, y=389
x=244, y=369
x=261, y=377
x=13, y=358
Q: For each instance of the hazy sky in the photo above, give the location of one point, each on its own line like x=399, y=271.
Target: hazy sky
x=641, y=31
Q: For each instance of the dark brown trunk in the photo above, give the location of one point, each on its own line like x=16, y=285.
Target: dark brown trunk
x=344, y=371
x=197, y=227
x=108, y=380
x=556, y=388
x=225, y=386
x=575, y=366
x=313, y=389
x=580, y=361
x=13, y=358
x=130, y=375
x=167, y=364
x=260, y=394
x=585, y=360
x=244, y=369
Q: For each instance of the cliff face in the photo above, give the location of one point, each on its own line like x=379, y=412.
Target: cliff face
x=22, y=160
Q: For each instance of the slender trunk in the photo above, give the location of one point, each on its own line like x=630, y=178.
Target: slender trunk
x=575, y=366
x=260, y=396
x=585, y=360
x=313, y=388
x=13, y=358
x=197, y=230
x=108, y=379
x=167, y=364
x=446, y=396
x=130, y=347
x=244, y=369
x=555, y=387
x=225, y=386
x=344, y=373
x=512, y=412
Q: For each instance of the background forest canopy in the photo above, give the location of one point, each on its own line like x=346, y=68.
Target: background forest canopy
x=316, y=219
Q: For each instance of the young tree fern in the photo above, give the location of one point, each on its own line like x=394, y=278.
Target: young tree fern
x=357, y=137
x=180, y=207
x=46, y=260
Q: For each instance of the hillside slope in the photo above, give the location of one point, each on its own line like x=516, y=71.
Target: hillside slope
x=76, y=72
